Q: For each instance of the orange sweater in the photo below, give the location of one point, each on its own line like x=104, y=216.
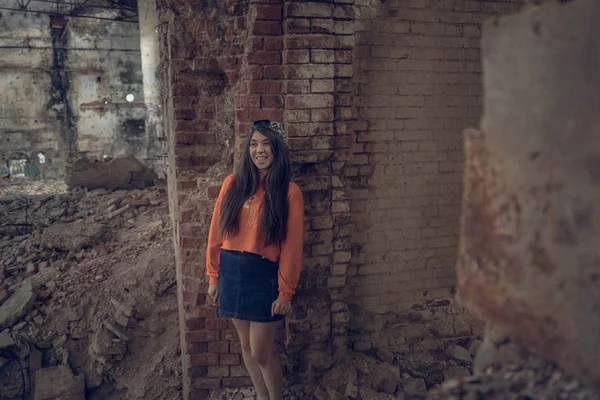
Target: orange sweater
x=251, y=239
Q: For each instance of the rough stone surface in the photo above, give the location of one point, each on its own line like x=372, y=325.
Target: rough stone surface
x=459, y=354
x=72, y=236
x=58, y=383
x=120, y=173
x=107, y=310
x=17, y=305
x=6, y=339
x=414, y=385
x=529, y=254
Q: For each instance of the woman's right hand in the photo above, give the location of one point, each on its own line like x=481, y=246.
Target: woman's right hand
x=213, y=294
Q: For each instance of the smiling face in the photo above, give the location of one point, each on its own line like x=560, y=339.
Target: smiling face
x=261, y=152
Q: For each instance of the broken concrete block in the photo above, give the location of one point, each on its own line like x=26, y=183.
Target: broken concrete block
x=528, y=258
x=121, y=173
x=17, y=305
x=455, y=372
x=385, y=355
x=459, y=354
x=72, y=236
x=59, y=383
x=474, y=346
x=414, y=385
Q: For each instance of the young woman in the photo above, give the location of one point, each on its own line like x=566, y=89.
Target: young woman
x=254, y=254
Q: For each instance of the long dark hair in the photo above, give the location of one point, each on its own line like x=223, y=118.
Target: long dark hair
x=273, y=222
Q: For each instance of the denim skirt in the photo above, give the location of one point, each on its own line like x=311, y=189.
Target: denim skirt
x=248, y=286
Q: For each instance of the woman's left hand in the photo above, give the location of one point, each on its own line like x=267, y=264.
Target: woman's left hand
x=281, y=306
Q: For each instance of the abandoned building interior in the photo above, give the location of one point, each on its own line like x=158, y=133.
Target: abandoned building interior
x=449, y=156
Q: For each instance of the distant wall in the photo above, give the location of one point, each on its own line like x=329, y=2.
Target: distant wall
x=64, y=83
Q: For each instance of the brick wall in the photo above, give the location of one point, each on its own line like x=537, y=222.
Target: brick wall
x=222, y=68
x=417, y=85
x=317, y=58
x=201, y=48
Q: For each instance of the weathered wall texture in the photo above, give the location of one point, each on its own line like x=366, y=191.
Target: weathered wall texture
x=417, y=85
x=64, y=82
x=529, y=258
x=280, y=60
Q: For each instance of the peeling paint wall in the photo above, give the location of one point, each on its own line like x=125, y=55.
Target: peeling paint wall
x=64, y=84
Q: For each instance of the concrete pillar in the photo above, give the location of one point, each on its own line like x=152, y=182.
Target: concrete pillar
x=150, y=60
x=529, y=254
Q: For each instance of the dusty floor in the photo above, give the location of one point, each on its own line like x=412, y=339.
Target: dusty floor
x=89, y=282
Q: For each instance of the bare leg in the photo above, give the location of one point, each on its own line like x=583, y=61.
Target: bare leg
x=243, y=330
x=262, y=344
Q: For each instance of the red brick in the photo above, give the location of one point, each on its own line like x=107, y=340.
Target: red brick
x=195, y=324
x=310, y=129
x=203, y=359
x=297, y=86
x=265, y=58
x=296, y=56
x=257, y=43
x=201, y=336
x=256, y=72
x=198, y=371
x=229, y=359
x=301, y=143
x=218, y=371
x=273, y=72
x=242, y=116
x=194, y=297
x=322, y=56
x=199, y=394
x=343, y=12
x=230, y=335
x=206, y=383
x=321, y=115
x=264, y=28
x=235, y=347
x=309, y=9
x=269, y=12
x=216, y=324
x=273, y=43
x=272, y=114
x=196, y=348
x=218, y=347
x=237, y=382
x=266, y=87
x=297, y=115
x=200, y=311
x=271, y=102
x=296, y=26
x=307, y=71
x=184, y=114
x=310, y=42
x=305, y=101
x=238, y=370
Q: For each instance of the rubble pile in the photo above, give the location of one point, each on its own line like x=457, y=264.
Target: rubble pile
x=532, y=378
x=367, y=378
x=88, y=296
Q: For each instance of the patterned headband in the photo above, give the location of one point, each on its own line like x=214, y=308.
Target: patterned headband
x=272, y=125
